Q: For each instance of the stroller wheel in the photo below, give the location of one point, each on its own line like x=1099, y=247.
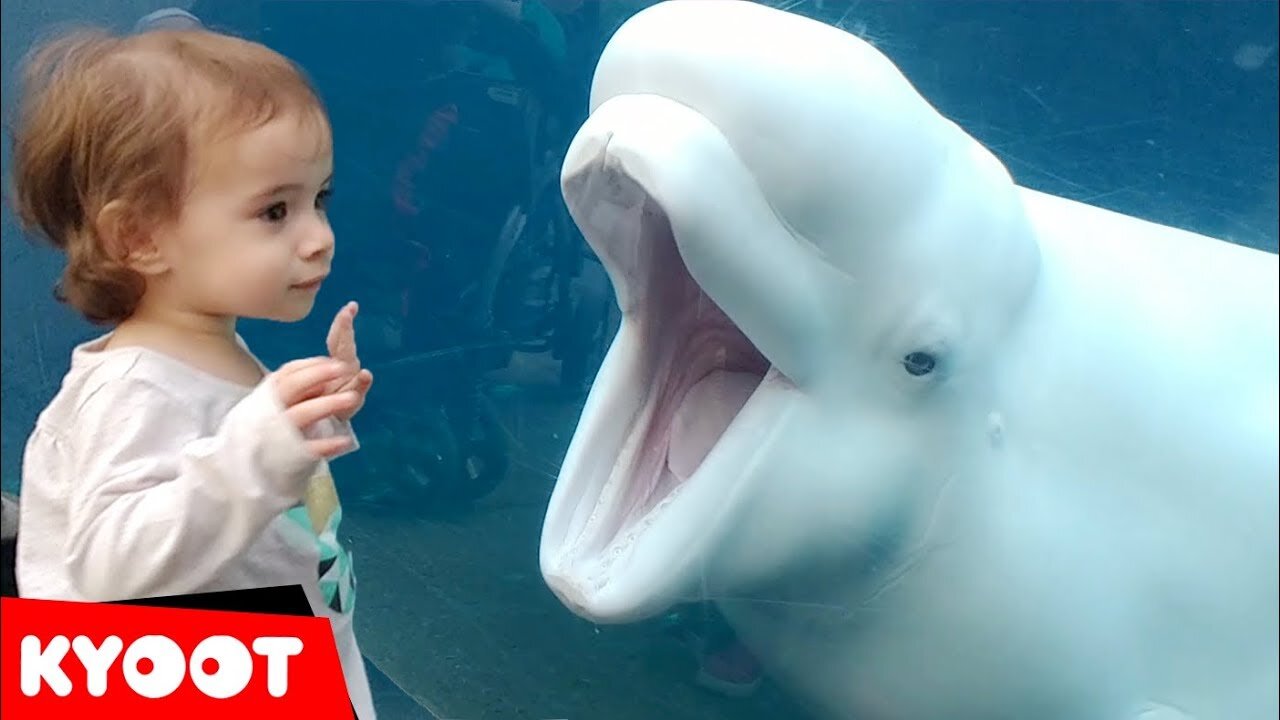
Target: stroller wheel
x=483, y=455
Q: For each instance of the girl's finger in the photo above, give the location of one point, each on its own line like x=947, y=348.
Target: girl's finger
x=342, y=330
x=309, y=412
x=337, y=329
x=329, y=447
x=304, y=381
x=301, y=364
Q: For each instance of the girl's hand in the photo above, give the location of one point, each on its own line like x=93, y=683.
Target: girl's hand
x=342, y=347
x=302, y=386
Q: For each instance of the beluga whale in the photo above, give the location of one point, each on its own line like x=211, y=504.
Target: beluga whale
x=939, y=446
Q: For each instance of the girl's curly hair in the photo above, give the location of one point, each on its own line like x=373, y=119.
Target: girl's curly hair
x=113, y=120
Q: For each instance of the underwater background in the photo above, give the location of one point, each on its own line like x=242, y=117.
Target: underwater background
x=484, y=316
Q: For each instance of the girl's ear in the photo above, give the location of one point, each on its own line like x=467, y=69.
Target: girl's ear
x=127, y=239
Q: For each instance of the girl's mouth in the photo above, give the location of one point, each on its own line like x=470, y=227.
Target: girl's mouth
x=308, y=285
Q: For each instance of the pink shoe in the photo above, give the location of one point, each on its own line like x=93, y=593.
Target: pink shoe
x=733, y=672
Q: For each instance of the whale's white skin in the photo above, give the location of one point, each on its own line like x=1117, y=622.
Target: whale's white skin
x=1005, y=455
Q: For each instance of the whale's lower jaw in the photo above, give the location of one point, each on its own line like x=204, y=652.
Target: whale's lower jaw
x=628, y=556
x=674, y=415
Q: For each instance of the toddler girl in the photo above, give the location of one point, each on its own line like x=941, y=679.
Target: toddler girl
x=184, y=174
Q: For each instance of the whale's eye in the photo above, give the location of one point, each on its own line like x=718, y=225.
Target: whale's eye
x=919, y=363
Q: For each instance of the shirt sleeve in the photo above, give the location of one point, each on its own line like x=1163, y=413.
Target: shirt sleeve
x=333, y=427
x=157, y=509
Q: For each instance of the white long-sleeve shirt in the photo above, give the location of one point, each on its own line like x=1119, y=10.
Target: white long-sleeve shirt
x=148, y=477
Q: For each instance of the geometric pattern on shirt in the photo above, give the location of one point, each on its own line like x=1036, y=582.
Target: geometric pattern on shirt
x=320, y=516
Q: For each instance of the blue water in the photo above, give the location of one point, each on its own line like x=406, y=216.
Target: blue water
x=450, y=122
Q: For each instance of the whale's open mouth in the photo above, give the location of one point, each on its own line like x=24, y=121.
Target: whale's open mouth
x=673, y=414
x=698, y=370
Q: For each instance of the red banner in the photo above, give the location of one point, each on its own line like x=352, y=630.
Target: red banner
x=69, y=659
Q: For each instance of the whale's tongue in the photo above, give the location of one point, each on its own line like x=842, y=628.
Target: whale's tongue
x=704, y=415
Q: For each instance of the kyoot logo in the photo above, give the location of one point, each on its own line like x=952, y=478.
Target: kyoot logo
x=60, y=659
x=155, y=666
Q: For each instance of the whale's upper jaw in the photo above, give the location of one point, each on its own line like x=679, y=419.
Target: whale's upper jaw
x=636, y=507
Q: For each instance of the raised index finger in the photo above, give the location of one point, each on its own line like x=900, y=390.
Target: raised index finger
x=342, y=334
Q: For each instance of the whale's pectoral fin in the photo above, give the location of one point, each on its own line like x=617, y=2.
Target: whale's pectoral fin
x=1156, y=711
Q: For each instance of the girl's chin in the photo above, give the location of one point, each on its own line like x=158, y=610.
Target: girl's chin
x=294, y=310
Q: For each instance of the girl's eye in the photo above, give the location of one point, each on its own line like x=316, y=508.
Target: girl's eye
x=322, y=199
x=276, y=213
